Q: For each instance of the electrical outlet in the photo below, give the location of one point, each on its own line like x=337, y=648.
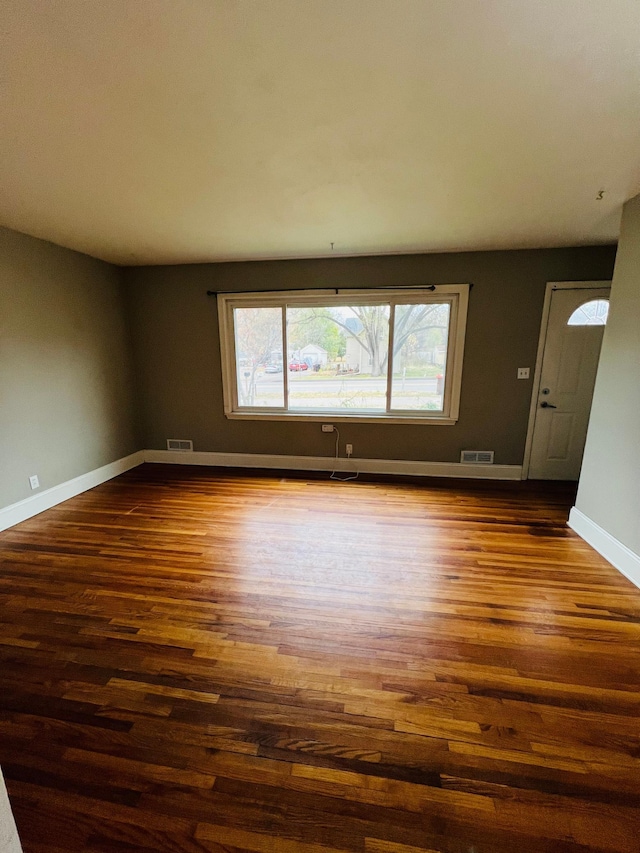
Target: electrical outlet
x=34, y=482
x=523, y=373
x=327, y=427
x=349, y=449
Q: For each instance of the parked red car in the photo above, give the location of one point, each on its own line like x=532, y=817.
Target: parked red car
x=298, y=365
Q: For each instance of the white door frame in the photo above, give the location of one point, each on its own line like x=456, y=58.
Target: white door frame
x=542, y=340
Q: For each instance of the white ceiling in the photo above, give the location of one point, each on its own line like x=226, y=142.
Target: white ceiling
x=166, y=131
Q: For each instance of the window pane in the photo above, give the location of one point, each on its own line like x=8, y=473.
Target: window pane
x=259, y=364
x=420, y=335
x=337, y=357
x=593, y=313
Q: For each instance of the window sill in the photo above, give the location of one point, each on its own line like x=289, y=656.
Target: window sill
x=333, y=417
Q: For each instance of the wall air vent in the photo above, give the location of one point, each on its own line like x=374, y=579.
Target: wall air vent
x=179, y=444
x=477, y=457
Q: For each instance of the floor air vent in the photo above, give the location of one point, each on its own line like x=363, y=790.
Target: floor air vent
x=477, y=457
x=179, y=444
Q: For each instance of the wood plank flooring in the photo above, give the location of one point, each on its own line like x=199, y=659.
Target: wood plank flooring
x=195, y=661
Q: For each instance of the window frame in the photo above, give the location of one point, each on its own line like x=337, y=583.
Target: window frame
x=457, y=295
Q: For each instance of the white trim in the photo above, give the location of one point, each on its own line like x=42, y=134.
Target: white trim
x=453, y=373
x=535, y=388
x=9, y=841
x=330, y=463
x=542, y=340
x=22, y=510
x=351, y=296
x=338, y=417
x=34, y=505
x=621, y=557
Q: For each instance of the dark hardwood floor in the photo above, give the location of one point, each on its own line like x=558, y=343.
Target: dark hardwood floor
x=197, y=661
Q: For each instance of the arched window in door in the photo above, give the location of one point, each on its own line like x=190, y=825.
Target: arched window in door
x=592, y=313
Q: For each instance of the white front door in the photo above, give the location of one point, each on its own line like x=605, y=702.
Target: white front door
x=577, y=316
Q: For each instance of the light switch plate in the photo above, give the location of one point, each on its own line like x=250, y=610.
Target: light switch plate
x=523, y=373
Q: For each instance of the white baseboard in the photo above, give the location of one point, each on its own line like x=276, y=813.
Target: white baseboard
x=329, y=463
x=9, y=841
x=34, y=505
x=15, y=513
x=621, y=557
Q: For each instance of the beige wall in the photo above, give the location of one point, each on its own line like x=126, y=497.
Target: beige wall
x=609, y=491
x=175, y=334
x=66, y=395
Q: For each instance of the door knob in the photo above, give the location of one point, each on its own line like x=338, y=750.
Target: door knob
x=546, y=405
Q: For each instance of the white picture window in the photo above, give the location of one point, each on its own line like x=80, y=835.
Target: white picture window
x=366, y=355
